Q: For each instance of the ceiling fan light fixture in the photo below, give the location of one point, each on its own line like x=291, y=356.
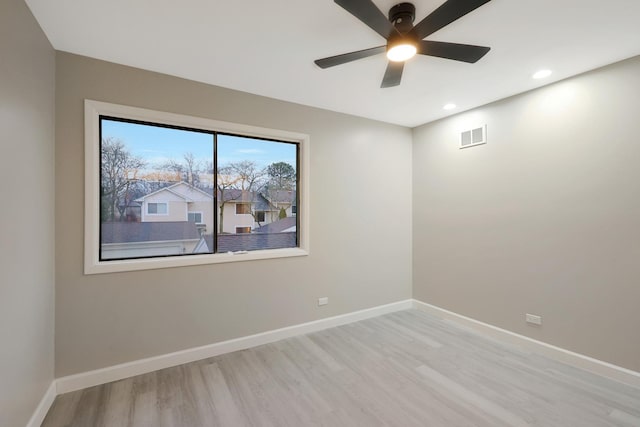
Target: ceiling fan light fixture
x=401, y=51
x=404, y=40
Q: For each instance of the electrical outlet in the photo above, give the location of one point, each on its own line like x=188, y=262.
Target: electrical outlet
x=323, y=301
x=533, y=319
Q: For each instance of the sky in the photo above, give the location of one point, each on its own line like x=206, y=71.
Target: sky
x=157, y=145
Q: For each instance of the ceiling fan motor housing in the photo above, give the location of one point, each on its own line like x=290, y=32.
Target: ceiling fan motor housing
x=402, y=16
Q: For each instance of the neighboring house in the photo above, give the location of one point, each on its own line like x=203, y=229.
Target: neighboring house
x=144, y=239
x=283, y=199
x=178, y=219
x=285, y=225
x=248, y=211
x=132, y=211
x=264, y=211
x=238, y=211
x=243, y=211
x=179, y=202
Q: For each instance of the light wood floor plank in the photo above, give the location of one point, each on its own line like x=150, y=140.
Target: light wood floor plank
x=403, y=369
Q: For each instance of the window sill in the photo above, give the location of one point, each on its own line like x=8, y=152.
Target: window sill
x=100, y=267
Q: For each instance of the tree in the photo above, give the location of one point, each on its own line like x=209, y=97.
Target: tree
x=282, y=175
x=236, y=179
x=282, y=214
x=189, y=169
x=226, y=183
x=119, y=175
x=249, y=176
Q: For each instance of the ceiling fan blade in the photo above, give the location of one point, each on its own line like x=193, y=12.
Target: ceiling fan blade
x=450, y=11
x=393, y=75
x=369, y=14
x=458, y=52
x=332, y=61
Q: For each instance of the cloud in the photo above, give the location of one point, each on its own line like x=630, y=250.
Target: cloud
x=159, y=160
x=249, y=151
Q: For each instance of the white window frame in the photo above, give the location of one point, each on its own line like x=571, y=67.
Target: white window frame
x=244, y=204
x=157, y=214
x=92, y=264
x=196, y=212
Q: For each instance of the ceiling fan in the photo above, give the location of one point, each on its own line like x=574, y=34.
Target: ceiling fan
x=404, y=39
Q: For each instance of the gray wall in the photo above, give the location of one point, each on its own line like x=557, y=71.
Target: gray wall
x=360, y=228
x=27, y=118
x=543, y=219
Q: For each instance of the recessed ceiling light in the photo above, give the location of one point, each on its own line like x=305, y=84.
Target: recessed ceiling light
x=449, y=106
x=542, y=74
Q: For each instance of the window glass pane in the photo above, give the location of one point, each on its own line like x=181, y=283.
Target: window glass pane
x=151, y=176
x=243, y=209
x=195, y=217
x=157, y=208
x=257, y=181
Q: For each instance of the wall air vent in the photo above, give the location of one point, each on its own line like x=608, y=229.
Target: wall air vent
x=473, y=137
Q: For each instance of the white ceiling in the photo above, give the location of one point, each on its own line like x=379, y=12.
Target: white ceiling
x=268, y=47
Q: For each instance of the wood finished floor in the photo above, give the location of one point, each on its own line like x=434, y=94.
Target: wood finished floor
x=402, y=369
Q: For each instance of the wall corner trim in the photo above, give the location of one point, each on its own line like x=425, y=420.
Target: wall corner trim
x=598, y=367
x=43, y=407
x=137, y=367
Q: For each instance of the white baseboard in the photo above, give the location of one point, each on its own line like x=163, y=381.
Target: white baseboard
x=143, y=366
x=43, y=407
x=577, y=360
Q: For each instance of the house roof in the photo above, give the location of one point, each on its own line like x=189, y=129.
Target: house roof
x=129, y=232
x=252, y=241
x=235, y=195
x=132, y=204
x=281, y=196
x=178, y=190
x=277, y=226
x=263, y=204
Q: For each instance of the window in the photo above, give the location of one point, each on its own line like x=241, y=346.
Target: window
x=157, y=208
x=195, y=217
x=243, y=208
x=160, y=187
x=294, y=210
